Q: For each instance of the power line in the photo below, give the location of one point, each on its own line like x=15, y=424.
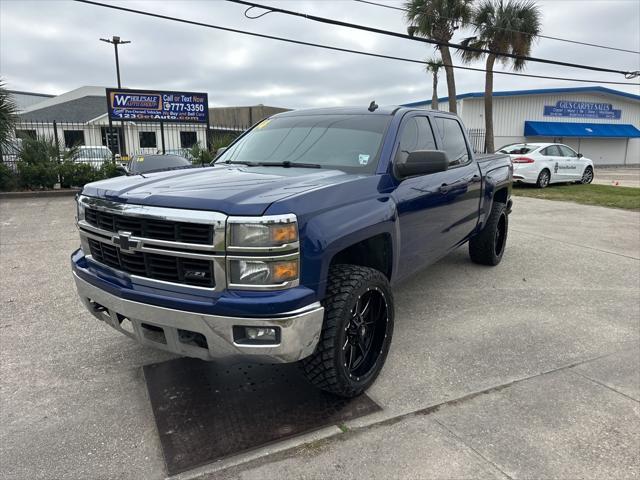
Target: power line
x=329, y=47
x=457, y=46
x=393, y=7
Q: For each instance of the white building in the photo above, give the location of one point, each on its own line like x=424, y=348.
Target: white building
x=601, y=123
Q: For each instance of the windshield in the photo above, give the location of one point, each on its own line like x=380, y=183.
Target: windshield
x=346, y=142
x=147, y=163
x=94, y=153
x=518, y=149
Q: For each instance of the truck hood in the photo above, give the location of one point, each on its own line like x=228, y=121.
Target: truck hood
x=230, y=189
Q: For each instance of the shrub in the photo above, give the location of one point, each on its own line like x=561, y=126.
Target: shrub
x=73, y=174
x=8, y=178
x=38, y=163
x=109, y=170
x=199, y=155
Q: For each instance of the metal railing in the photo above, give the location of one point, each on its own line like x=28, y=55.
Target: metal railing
x=96, y=143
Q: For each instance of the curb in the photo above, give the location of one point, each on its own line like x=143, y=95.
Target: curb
x=41, y=193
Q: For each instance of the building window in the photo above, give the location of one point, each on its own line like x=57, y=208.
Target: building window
x=148, y=140
x=24, y=134
x=188, y=139
x=73, y=138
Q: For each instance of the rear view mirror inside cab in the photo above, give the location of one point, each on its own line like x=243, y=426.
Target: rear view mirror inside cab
x=422, y=162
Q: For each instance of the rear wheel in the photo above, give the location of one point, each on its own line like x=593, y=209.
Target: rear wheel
x=356, y=334
x=587, y=176
x=543, y=179
x=487, y=248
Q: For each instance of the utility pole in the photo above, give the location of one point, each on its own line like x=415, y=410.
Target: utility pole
x=115, y=41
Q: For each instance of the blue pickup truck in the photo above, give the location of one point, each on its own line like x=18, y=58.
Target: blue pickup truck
x=286, y=248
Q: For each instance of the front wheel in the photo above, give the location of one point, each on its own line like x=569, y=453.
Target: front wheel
x=587, y=176
x=487, y=248
x=357, y=331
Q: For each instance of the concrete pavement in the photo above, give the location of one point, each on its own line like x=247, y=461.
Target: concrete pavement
x=526, y=370
x=623, y=177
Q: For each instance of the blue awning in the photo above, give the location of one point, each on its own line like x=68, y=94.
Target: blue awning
x=564, y=129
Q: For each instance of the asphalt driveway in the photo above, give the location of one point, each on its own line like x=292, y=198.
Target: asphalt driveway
x=527, y=370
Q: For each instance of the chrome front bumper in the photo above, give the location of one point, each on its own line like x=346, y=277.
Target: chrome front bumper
x=159, y=327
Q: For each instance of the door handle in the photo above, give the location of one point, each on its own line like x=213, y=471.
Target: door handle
x=476, y=178
x=446, y=188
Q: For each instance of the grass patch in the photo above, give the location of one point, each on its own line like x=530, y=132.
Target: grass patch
x=603, y=195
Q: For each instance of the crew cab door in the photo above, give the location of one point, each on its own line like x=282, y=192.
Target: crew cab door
x=435, y=211
x=462, y=182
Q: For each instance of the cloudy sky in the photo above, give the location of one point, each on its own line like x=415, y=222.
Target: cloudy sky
x=52, y=46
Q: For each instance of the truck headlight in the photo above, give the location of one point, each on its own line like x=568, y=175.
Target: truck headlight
x=273, y=272
x=79, y=209
x=262, y=232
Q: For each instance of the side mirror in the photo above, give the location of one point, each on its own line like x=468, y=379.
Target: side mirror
x=423, y=162
x=580, y=155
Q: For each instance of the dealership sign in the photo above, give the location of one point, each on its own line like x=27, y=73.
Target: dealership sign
x=157, y=106
x=566, y=108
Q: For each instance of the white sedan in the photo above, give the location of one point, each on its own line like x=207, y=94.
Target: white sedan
x=545, y=163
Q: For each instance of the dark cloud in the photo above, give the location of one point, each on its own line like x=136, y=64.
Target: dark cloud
x=52, y=47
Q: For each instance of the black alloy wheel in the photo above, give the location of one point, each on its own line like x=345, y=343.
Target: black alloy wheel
x=356, y=333
x=365, y=334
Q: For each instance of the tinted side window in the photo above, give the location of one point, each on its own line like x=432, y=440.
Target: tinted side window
x=453, y=141
x=416, y=135
x=566, y=151
x=552, y=151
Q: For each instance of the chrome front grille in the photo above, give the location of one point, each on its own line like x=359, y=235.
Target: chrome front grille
x=165, y=268
x=151, y=228
x=155, y=245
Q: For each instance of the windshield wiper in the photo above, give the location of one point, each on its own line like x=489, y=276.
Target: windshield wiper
x=285, y=164
x=288, y=164
x=240, y=162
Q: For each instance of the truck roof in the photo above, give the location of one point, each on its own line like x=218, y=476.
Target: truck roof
x=381, y=110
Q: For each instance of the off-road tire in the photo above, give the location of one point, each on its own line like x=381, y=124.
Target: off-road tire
x=325, y=368
x=487, y=248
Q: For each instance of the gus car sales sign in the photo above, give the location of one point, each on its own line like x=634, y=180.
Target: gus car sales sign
x=156, y=106
x=567, y=108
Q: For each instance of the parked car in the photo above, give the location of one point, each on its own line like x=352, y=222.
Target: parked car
x=11, y=152
x=156, y=163
x=541, y=164
x=183, y=152
x=287, y=247
x=94, y=155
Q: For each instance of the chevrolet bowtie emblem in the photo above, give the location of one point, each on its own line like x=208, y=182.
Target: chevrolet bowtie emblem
x=123, y=240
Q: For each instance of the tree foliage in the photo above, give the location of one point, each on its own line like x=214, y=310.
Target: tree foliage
x=8, y=116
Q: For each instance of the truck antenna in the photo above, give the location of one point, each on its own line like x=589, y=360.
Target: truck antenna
x=373, y=106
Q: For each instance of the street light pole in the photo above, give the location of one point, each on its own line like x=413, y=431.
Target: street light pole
x=115, y=41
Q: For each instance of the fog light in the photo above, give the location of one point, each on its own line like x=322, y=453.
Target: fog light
x=261, y=334
x=256, y=335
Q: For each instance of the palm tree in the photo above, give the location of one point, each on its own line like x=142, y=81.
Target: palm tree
x=509, y=26
x=433, y=67
x=438, y=20
x=8, y=117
